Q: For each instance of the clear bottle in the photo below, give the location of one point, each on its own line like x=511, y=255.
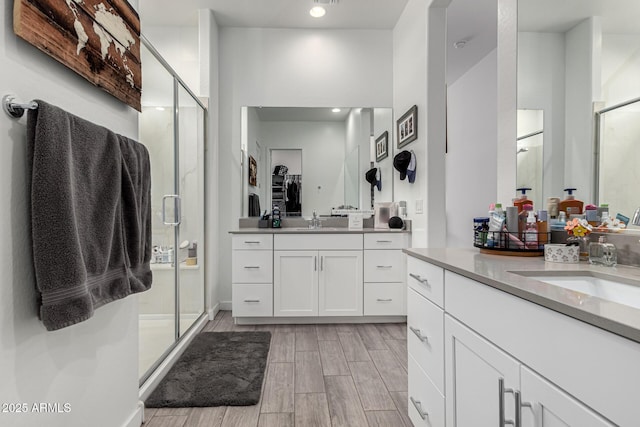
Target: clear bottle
x=603, y=253
x=531, y=231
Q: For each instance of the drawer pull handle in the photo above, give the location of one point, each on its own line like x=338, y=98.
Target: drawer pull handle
x=384, y=266
x=418, y=406
x=384, y=300
x=384, y=241
x=420, y=279
x=417, y=332
x=252, y=300
x=251, y=242
x=501, y=392
x=251, y=267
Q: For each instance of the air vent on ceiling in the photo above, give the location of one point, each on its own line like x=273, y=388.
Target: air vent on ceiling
x=326, y=1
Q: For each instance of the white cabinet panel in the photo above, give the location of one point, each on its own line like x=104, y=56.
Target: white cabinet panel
x=250, y=300
x=316, y=242
x=386, y=240
x=425, y=336
x=426, y=404
x=384, y=299
x=252, y=241
x=340, y=283
x=295, y=283
x=426, y=279
x=252, y=267
x=384, y=266
x=552, y=407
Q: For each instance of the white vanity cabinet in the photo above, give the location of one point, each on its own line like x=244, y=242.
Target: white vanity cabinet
x=384, y=274
x=318, y=275
x=252, y=275
x=507, y=361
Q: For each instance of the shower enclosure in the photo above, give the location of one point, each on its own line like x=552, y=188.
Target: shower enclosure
x=172, y=127
x=617, y=157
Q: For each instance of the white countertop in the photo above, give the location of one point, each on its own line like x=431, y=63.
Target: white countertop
x=496, y=271
x=322, y=230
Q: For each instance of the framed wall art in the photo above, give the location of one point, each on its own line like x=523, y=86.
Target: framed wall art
x=382, y=146
x=253, y=171
x=407, y=127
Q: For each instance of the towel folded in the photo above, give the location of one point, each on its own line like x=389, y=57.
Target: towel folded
x=90, y=215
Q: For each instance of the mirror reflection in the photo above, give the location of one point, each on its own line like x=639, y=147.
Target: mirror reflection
x=576, y=58
x=311, y=159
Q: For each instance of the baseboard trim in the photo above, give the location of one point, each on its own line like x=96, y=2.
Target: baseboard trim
x=213, y=311
x=137, y=418
x=225, y=305
x=155, y=378
x=317, y=320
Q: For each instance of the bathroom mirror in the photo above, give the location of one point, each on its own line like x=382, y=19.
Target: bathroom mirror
x=575, y=58
x=335, y=150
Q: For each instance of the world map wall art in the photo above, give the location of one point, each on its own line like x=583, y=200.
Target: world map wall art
x=98, y=39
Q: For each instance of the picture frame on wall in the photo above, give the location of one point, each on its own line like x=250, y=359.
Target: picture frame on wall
x=253, y=171
x=407, y=127
x=382, y=146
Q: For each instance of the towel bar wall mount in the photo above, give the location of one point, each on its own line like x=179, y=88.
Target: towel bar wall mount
x=15, y=109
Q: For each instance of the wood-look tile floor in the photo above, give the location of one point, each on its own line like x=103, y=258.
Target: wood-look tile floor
x=317, y=375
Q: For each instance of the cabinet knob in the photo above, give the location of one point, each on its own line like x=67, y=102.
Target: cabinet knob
x=418, y=405
x=417, y=333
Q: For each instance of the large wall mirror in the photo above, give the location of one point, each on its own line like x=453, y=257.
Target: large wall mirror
x=577, y=58
x=313, y=159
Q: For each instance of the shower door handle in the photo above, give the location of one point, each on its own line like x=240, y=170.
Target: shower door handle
x=177, y=212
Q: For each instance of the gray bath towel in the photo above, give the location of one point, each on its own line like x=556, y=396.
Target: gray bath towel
x=90, y=215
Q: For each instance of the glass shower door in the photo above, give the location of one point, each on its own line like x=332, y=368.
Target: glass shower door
x=191, y=190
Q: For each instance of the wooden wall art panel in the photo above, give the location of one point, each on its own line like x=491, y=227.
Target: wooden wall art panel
x=98, y=39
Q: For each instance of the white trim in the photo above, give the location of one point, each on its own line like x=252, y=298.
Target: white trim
x=317, y=320
x=212, y=312
x=225, y=305
x=136, y=419
x=157, y=375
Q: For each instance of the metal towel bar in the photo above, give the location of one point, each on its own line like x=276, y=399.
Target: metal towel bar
x=15, y=109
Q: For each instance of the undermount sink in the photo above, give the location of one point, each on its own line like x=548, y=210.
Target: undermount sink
x=602, y=286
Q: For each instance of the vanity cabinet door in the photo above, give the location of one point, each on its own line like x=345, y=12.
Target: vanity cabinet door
x=545, y=405
x=340, y=285
x=476, y=372
x=295, y=283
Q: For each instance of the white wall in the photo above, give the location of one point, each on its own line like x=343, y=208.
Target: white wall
x=91, y=365
x=383, y=122
x=322, y=160
x=301, y=68
x=471, y=161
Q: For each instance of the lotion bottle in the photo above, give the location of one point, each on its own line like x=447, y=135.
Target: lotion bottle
x=570, y=205
x=523, y=200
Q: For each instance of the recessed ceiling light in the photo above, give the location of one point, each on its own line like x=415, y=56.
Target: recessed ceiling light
x=317, y=12
x=160, y=108
x=335, y=110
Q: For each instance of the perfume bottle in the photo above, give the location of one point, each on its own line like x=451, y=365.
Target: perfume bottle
x=603, y=253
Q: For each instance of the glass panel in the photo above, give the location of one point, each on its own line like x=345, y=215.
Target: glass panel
x=529, y=154
x=157, y=305
x=352, y=179
x=191, y=182
x=619, y=159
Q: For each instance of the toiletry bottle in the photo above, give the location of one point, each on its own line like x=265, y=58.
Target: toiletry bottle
x=602, y=253
x=543, y=228
x=275, y=217
x=522, y=220
x=531, y=231
x=559, y=223
x=512, y=220
x=591, y=215
x=604, y=207
x=552, y=207
x=570, y=205
x=522, y=200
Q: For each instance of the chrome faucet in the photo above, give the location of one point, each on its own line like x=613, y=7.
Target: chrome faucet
x=315, y=221
x=636, y=217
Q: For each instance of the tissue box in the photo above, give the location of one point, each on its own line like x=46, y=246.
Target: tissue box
x=561, y=253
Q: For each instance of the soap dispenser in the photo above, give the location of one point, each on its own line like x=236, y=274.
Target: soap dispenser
x=523, y=200
x=603, y=253
x=570, y=205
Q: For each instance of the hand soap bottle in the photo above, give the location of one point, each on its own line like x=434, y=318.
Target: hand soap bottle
x=523, y=200
x=531, y=231
x=603, y=253
x=570, y=205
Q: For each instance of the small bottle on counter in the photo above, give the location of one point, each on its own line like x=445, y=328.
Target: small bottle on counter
x=543, y=228
x=603, y=253
x=531, y=231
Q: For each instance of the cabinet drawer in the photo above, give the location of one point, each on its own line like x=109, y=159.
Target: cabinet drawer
x=427, y=320
x=384, y=266
x=252, y=267
x=252, y=241
x=386, y=240
x=317, y=242
x=426, y=279
x=426, y=403
x=249, y=300
x=384, y=299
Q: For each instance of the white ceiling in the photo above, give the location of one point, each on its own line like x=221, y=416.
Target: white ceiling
x=300, y=114
x=347, y=14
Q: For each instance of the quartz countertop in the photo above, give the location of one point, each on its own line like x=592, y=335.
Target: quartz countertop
x=497, y=271
x=321, y=230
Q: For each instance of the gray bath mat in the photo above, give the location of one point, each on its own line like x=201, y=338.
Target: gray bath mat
x=217, y=369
